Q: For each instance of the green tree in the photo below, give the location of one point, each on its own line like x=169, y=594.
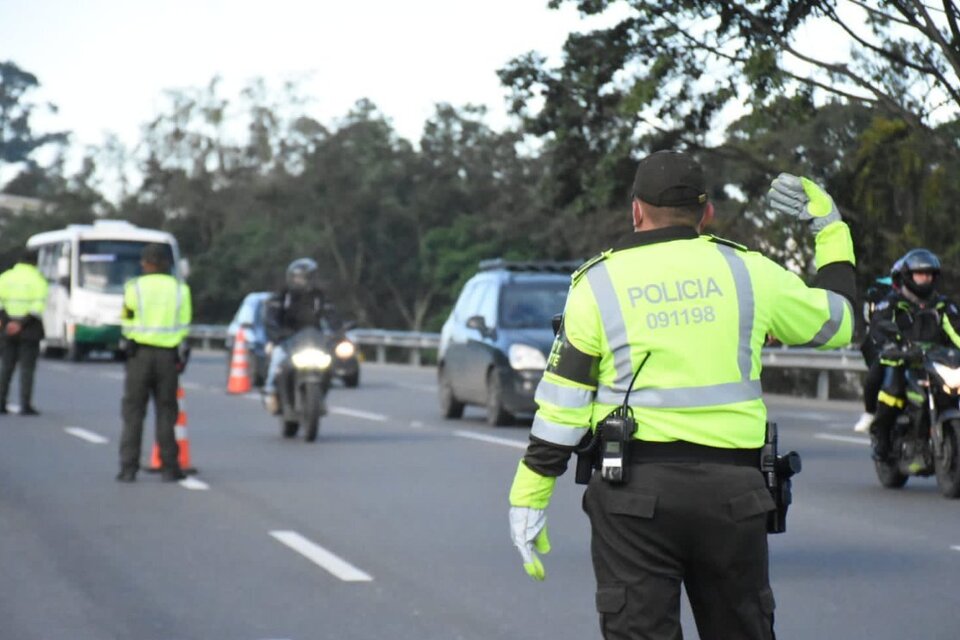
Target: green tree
x=18, y=140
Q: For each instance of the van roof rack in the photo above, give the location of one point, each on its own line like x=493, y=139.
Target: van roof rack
x=542, y=266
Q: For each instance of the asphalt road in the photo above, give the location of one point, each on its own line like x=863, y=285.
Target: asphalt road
x=393, y=525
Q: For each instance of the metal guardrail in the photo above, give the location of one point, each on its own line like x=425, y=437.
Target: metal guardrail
x=416, y=342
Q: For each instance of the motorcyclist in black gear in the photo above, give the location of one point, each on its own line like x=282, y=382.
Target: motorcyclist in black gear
x=301, y=303
x=921, y=316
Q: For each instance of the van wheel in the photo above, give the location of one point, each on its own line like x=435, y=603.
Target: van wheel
x=450, y=407
x=497, y=416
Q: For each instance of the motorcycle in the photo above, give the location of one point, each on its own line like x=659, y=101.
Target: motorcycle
x=925, y=439
x=302, y=383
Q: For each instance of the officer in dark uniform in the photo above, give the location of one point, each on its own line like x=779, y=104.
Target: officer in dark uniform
x=157, y=311
x=671, y=324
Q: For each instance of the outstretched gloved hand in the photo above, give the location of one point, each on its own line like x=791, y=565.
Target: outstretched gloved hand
x=802, y=199
x=528, y=528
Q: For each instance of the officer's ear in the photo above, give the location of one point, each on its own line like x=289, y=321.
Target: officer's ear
x=637, y=214
x=707, y=217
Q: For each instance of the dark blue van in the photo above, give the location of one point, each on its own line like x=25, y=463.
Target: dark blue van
x=494, y=346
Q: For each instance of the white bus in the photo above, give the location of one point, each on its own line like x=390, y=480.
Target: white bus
x=87, y=267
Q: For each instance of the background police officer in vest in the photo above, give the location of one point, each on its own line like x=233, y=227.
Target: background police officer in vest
x=156, y=319
x=679, y=318
x=23, y=297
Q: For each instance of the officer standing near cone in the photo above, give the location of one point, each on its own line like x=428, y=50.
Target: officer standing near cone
x=156, y=318
x=23, y=297
x=671, y=324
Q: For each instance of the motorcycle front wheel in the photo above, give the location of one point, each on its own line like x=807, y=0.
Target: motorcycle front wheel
x=947, y=465
x=312, y=399
x=888, y=472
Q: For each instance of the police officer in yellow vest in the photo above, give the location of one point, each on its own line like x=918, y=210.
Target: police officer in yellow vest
x=679, y=319
x=23, y=297
x=156, y=319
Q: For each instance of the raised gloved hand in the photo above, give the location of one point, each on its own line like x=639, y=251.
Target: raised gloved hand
x=803, y=199
x=528, y=528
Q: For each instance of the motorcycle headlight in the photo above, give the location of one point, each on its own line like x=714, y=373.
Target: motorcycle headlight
x=523, y=356
x=949, y=375
x=345, y=350
x=311, y=359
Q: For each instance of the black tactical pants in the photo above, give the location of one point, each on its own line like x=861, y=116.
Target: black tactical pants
x=151, y=371
x=24, y=353
x=702, y=525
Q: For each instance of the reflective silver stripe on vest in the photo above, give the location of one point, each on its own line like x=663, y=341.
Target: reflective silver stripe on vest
x=685, y=397
x=613, y=324
x=838, y=305
x=557, y=433
x=745, y=304
x=566, y=397
x=176, y=328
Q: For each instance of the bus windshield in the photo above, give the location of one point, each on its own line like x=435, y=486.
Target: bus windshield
x=106, y=265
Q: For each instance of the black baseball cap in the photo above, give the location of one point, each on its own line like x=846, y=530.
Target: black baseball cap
x=670, y=179
x=156, y=254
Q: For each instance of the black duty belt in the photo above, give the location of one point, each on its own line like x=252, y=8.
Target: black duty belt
x=640, y=451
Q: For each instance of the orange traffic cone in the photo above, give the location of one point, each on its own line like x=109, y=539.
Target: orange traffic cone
x=239, y=378
x=183, y=442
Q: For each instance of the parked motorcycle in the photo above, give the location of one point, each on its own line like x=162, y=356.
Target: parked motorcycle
x=302, y=383
x=926, y=437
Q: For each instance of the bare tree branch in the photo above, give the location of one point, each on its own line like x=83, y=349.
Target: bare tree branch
x=937, y=37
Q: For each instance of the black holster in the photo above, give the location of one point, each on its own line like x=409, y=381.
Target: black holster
x=587, y=457
x=777, y=472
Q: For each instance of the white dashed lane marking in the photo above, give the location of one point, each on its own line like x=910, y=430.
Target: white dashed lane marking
x=506, y=442
x=89, y=436
x=328, y=561
x=194, y=485
x=837, y=438
x=355, y=413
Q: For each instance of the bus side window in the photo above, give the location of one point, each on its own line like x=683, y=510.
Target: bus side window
x=61, y=264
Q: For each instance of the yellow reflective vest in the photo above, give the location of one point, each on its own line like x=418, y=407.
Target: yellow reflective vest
x=702, y=309
x=23, y=291
x=157, y=310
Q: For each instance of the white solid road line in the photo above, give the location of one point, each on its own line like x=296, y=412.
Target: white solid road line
x=355, y=413
x=194, y=485
x=507, y=442
x=338, y=567
x=835, y=437
x=89, y=436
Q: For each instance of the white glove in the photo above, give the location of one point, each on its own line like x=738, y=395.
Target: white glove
x=528, y=528
x=802, y=199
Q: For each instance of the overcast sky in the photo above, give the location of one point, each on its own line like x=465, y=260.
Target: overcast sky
x=106, y=63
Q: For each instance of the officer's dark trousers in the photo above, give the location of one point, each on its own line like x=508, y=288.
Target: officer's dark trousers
x=24, y=353
x=703, y=525
x=151, y=371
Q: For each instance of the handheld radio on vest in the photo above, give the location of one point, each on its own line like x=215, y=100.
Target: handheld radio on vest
x=615, y=433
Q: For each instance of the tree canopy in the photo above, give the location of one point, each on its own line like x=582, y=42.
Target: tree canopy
x=860, y=95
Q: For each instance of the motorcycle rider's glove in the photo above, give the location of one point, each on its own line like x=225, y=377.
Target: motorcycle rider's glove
x=529, y=497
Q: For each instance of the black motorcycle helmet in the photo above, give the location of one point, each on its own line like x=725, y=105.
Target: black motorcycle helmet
x=303, y=275
x=918, y=260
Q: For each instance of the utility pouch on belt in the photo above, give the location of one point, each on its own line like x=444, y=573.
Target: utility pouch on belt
x=777, y=471
x=586, y=457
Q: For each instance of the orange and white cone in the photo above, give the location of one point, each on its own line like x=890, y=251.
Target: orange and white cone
x=183, y=441
x=239, y=379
